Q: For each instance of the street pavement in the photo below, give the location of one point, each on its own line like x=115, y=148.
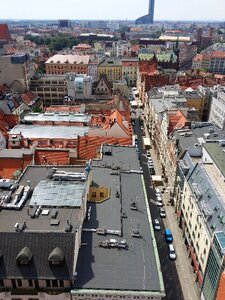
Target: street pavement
x=178, y=276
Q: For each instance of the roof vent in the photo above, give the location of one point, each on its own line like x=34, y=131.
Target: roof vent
x=56, y=257
x=68, y=226
x=24, y=257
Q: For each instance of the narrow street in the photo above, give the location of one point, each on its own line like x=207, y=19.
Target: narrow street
x=178, y=275
x=171, y=280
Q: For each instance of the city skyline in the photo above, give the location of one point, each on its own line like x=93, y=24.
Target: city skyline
x=116, y=10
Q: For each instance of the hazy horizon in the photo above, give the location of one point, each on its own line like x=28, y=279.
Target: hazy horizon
x=165, y=10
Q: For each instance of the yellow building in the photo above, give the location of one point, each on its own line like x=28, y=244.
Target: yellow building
x=196, y=101
x=112, y=68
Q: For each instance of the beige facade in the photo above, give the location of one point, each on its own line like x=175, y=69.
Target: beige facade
x=16, y=70
x=129, y=71
x=107, y=294
x=112, y=68
x=62, y=64
x=165, y=147
x=50, y=89
x=195, y=229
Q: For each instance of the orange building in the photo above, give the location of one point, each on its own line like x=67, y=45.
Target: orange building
x=62, y=64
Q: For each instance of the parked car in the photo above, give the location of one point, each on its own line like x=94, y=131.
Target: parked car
x=159, y=203
x=158, y=194
x=162, y=212
x=148, y=154
x=172, y=252
x=168, y=236
x=156, y=225
x=152, y=171
x=159, y=198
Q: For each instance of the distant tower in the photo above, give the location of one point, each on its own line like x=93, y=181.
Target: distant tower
x=149, y=18
x=151, y=9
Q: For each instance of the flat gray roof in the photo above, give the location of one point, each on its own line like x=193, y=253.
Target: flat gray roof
x=47, y=131
x=108, y=211
x=217, y=153
x=33, y=175
x=198, y=134
x=15, y=153
x=60, y=117
x=138, y=267
x=124, y=158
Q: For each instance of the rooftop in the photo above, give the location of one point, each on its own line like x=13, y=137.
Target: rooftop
x=49, y=131
x=217, y=153
x=37, y=229
x=111, y=62
x=210, y=200
x=136, y=268
x=58, y=117
x=199, y=133
x=68, y=59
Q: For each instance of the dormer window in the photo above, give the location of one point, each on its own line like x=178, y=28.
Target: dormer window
x=56, y=257
x=24, y=257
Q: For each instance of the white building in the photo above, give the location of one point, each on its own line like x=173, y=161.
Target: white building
x=217, y=111
x=121, y=48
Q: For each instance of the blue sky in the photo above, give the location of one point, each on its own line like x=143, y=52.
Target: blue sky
x=112, y=9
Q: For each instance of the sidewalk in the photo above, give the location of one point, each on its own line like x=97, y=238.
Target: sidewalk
x=183, y=265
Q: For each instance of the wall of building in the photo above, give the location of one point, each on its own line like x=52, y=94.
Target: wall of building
x=102, y=296
x=39, y=296
x=217, y=111
x=10, y=72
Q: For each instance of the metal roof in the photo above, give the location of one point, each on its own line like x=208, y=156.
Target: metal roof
x=60, y=117
x=58, y=193
x=48, y=131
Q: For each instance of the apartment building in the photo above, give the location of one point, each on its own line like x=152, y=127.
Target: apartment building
x=121, y=48
x=129, y=70
x=161, y=106
x=111, y=67
x=201, y=215
x=217, y=63
x=217, y=110
x=50, y=88
x=41, y=239
x=52, y=235
x=62, y=64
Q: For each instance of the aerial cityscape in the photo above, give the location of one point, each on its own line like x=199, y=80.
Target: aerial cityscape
x=112, y=150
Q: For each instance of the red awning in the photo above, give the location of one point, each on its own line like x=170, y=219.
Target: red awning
x=193, y=259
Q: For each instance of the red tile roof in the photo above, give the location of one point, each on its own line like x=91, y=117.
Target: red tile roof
x=63, y=108
x=176, y=120
x=28, y=97
x=218, y=54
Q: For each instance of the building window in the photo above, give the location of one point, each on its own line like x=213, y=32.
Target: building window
x=48, y=283
x=61, y=283
x=30, y=283
x=1, y=283
x=101, y=195
x=19, y=282
x=54, y=283
x=94, y=194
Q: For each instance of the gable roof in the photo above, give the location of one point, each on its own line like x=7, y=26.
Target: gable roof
x=103, y=78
